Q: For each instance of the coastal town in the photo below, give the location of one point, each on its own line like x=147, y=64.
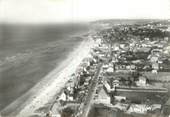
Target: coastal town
x=123, y=71
x=126, y=74
x=84, y=58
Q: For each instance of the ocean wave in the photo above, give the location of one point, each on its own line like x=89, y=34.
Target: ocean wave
x=19, y=57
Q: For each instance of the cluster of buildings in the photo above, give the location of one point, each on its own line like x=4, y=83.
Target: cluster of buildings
x=122, y=88
x=72, y=98
x=77, y=89
x=126, y=89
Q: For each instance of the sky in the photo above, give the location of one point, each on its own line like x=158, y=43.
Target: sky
x=44, y=11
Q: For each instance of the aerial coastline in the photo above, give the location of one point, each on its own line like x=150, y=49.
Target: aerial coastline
x=120, y=68
x=44, y=91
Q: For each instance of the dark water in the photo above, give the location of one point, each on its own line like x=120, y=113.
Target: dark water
x=30, y=52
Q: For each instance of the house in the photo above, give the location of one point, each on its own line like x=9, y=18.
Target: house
x=130, y=67
x=124, y=46
x=116, y=48
x=110, y=69
x=98, y=41
x=142, y=81
x=63, y=97
x=137, y=61
x=146, y=45
x=156, y=51
x=138, y=108
x=154, y=71
x=106, y=66
x=147, y=39
x=143, y=108
x=107, y=87
x=119, y=98
x=121, y=106
x=153, y=58
x=124, y=71
x=114, y=60
x=115, y=83
x=155, y=66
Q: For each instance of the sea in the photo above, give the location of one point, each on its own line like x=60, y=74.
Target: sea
x=28, y=52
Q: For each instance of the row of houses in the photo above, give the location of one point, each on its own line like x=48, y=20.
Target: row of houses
x=77, y=89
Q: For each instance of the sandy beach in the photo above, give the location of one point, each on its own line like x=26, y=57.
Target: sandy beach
x=52, y=84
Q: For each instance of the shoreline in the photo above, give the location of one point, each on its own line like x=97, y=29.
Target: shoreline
x=51, y=84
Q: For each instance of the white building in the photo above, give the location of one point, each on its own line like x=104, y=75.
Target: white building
x=142, y=81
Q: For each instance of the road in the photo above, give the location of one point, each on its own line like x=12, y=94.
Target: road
x=87, y=104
